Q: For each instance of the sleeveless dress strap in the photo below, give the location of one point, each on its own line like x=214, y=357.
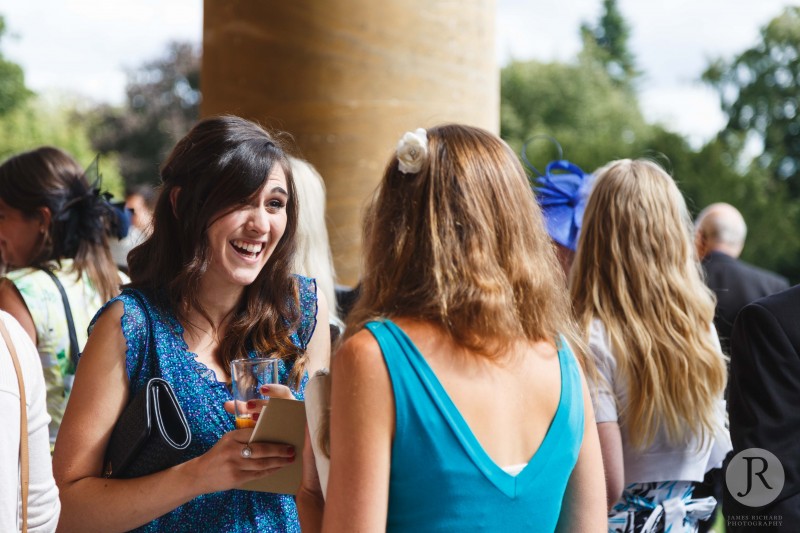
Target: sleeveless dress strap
x=400, y=369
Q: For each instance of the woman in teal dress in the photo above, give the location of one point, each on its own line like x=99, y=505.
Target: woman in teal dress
x=457, y=403
x=214, y=283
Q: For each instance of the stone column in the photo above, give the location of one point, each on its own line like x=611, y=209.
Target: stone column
x=346, y=78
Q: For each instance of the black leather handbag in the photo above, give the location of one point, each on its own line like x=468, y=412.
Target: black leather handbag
x=152, y=432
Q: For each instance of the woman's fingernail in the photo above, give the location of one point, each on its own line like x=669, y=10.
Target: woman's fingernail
x=255, y=417
x=290, y=449
x=292, y=458
x=265, y=389
x=251, y=404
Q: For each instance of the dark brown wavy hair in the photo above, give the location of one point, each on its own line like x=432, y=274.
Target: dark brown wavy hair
x=220, y=165
x=81, y=218
x=462, y=244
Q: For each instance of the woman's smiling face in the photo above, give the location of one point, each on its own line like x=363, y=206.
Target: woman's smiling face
x=242, y=240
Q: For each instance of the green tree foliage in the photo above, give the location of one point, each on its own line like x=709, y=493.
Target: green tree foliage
x=28, y=121
x=13, y=92
x=607, y=43
x=55, y=122
x=760, y=93
x=596, y=119
x=589, y=105
x=163, y=98
x=592, y=118
x=712, y=175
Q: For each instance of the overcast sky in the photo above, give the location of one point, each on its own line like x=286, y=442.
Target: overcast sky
x=84, y=46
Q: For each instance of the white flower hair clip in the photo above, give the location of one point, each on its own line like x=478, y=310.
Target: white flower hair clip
x=412, y=151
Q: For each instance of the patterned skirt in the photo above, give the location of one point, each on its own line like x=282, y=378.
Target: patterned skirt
x=662, y=507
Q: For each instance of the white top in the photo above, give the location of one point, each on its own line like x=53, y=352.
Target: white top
x=43, y=504
x=317, y=395
x=660, y=461
x=121, y=247
x=514, y=470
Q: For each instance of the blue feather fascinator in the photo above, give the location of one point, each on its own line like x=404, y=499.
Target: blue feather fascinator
x=561, y=192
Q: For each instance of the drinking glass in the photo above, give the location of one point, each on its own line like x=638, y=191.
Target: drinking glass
x=247, y=378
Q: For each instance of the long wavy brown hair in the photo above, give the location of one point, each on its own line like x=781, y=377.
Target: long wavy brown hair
x=81, y=218
x=636, y=271
x=220, y=165
x=462, y=244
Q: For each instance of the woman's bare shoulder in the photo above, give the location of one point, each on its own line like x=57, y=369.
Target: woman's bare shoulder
x=359, y=349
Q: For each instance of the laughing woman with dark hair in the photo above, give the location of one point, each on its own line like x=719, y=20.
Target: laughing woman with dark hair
x=214, y=283
x=54, y=228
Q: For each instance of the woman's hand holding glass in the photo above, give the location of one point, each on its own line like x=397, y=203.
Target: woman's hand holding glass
x=235, y=460
x=253, y=382
x=253, y=407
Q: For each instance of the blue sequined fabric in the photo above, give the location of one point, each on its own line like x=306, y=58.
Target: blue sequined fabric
x=202, y=397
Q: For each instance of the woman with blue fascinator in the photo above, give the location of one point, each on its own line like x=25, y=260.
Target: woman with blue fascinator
x=561, y=193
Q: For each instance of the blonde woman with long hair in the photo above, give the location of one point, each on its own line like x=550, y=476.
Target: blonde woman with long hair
x=457, y=404
x=312, y=257
x=640, y=299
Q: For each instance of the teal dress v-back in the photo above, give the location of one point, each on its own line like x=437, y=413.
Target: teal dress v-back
x=442, y=479
x=201, y=397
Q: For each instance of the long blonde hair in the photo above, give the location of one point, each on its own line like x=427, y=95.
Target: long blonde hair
x=637, y=273
x=462, y=244
x=313, y=256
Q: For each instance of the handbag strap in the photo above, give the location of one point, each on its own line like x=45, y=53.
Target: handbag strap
x=73, y=337
x=23, y=427
x=149, y=341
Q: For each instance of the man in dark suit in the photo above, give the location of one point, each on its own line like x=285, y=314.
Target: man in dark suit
x=763, y=400
x=720, y=231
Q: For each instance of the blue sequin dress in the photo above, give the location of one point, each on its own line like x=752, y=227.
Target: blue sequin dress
x=202, y=397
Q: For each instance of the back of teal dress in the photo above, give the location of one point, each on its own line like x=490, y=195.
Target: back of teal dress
x=441, y=477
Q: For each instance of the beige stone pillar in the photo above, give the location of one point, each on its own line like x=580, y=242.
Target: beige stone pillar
x=346, y=78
